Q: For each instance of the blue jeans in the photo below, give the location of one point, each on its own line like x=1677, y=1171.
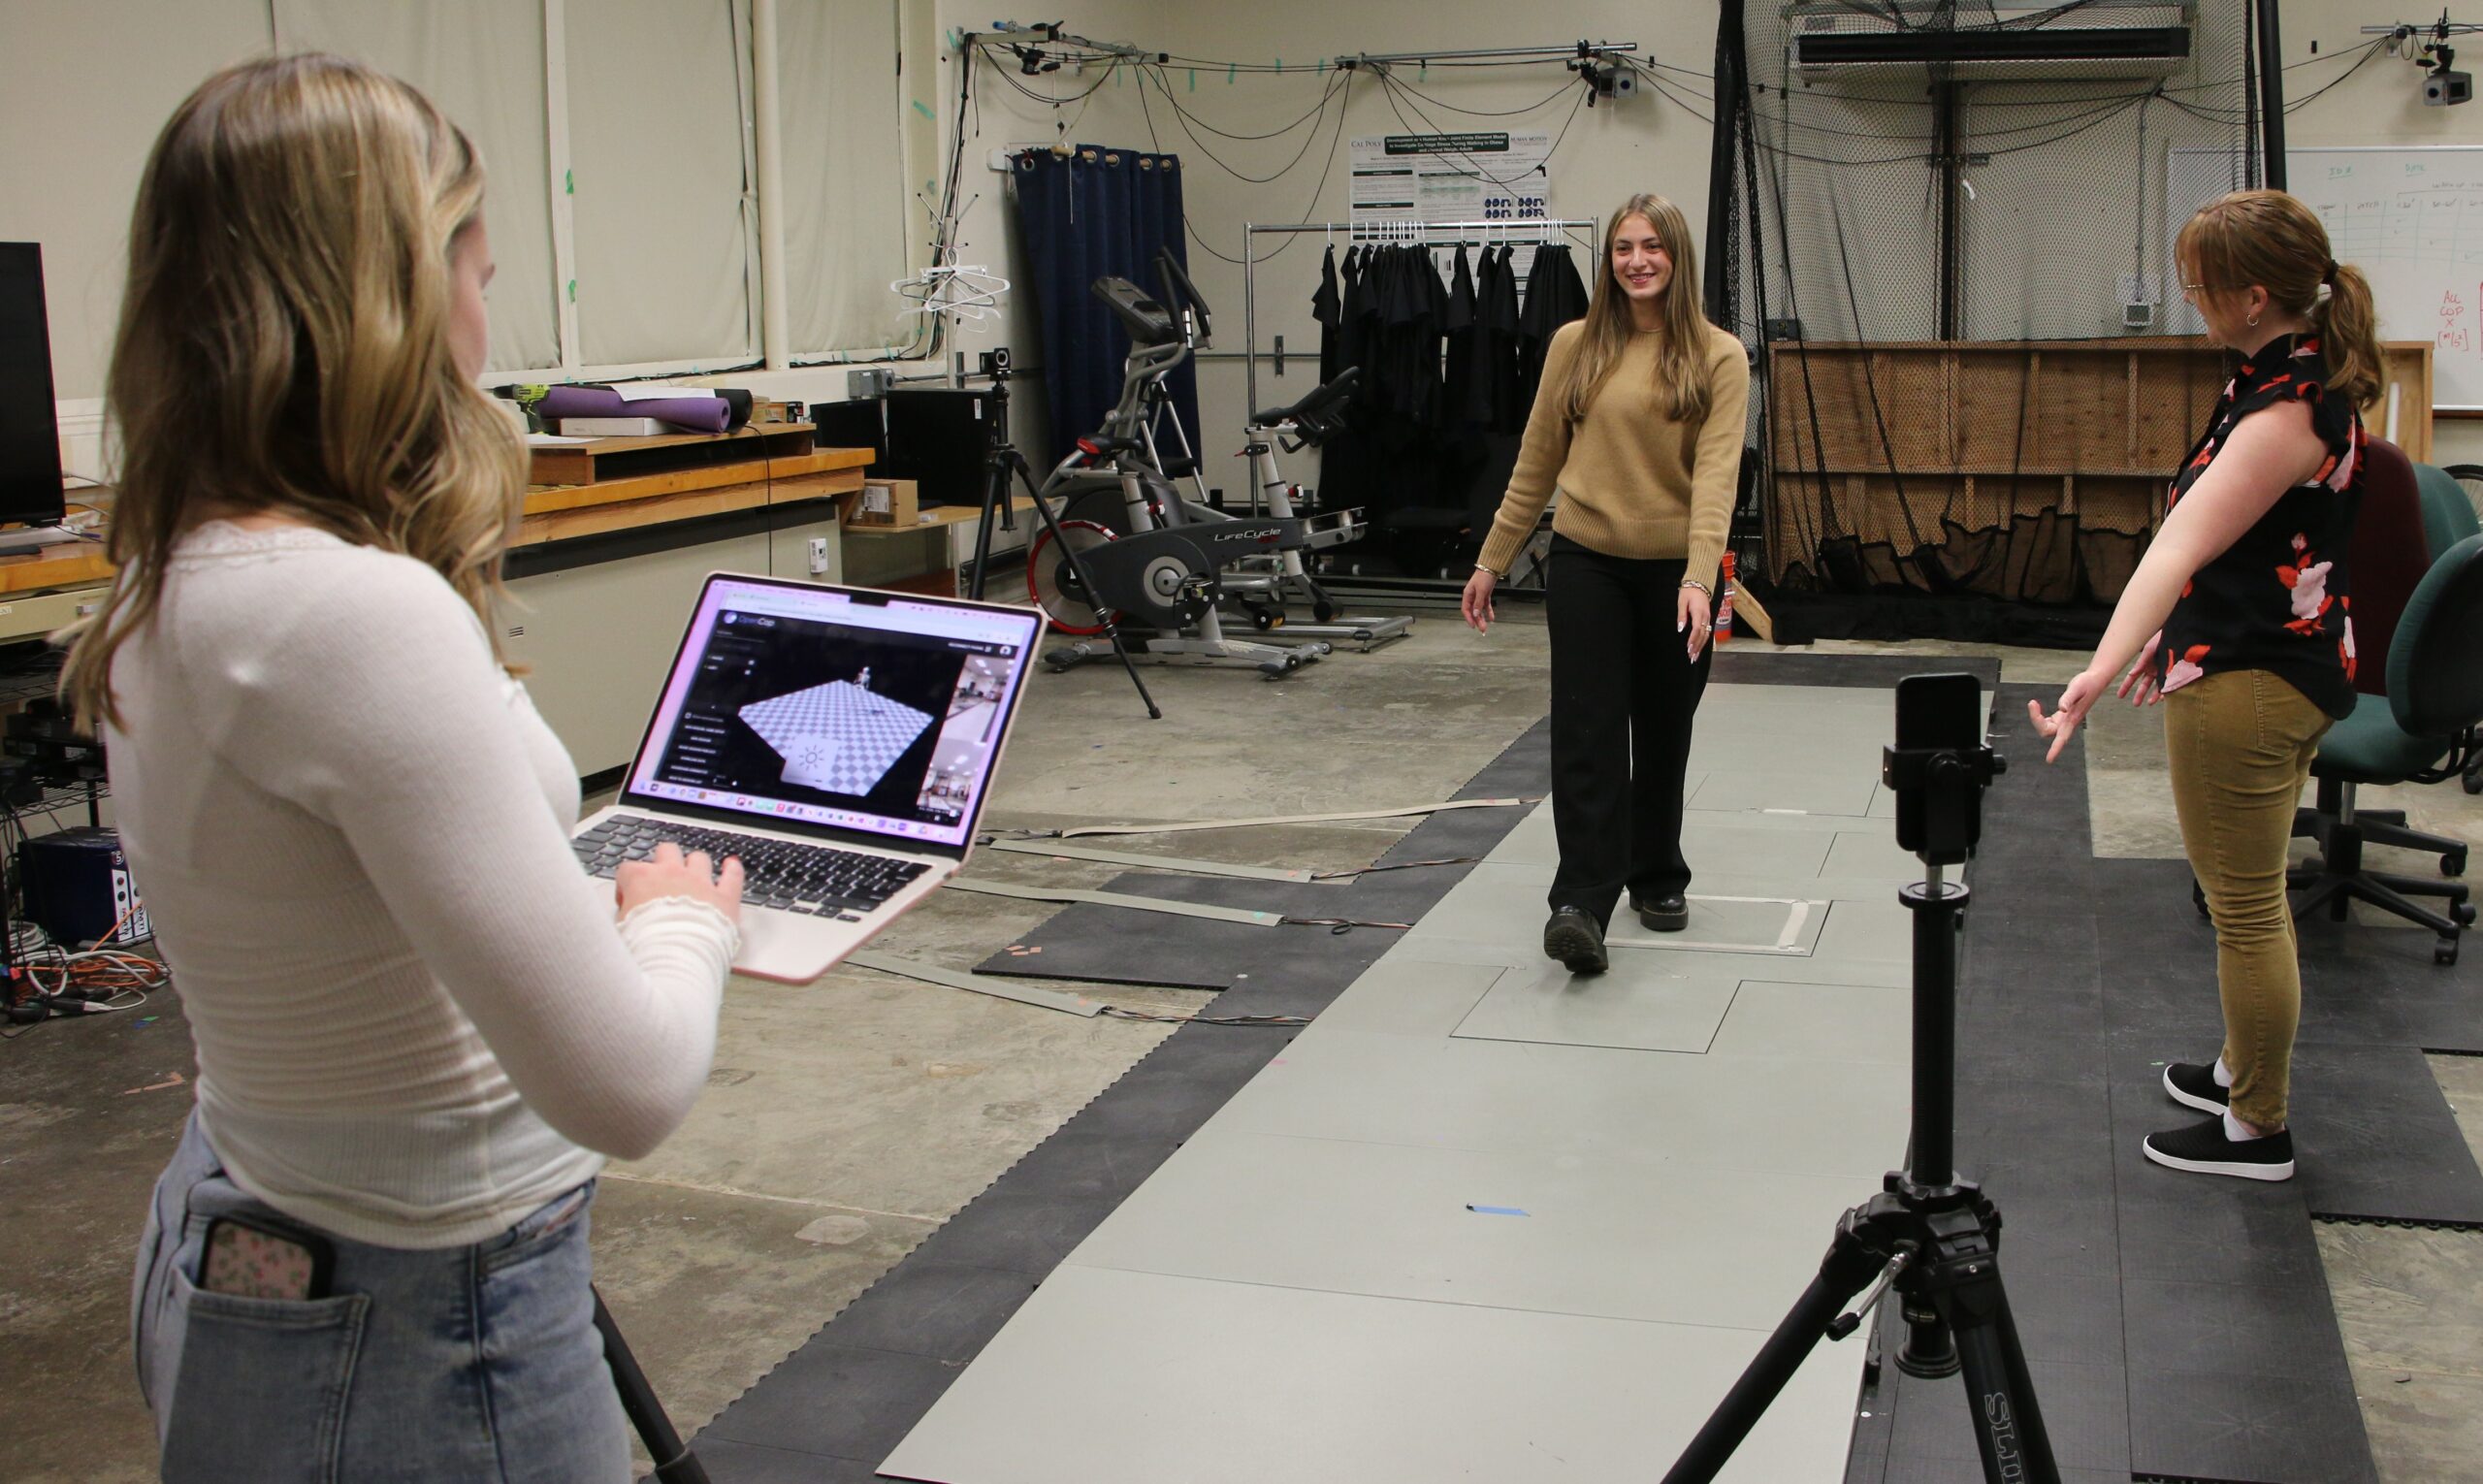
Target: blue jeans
x=474, y=1363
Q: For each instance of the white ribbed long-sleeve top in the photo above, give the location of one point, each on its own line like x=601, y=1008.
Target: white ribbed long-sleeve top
x=416, y=1020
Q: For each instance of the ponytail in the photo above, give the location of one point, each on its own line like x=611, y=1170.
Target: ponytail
x=2273, y=240
x=2348, y=329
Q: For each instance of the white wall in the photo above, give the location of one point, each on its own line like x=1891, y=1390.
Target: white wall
x=56, y=60
x=2381, y=104
x=1610, y=152
x=83, y=91
x=84, y=88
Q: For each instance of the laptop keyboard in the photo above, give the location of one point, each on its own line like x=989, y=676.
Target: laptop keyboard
x=784, y=874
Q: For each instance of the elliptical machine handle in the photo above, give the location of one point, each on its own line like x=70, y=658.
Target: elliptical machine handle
x=1181, y=294
x=1310, y=406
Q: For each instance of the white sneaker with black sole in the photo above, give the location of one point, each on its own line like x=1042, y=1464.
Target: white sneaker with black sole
x=2210, y=1149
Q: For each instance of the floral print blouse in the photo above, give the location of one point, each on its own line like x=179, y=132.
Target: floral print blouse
x=2277, y=599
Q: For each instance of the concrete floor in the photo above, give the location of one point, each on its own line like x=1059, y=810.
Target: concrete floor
x=847, y=1119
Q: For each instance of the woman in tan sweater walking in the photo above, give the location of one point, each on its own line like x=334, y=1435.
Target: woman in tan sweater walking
x=1639, y=422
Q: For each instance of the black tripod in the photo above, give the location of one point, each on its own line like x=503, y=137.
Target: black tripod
x=1002, y=462
x=675, y=1463
x=1930, y=1235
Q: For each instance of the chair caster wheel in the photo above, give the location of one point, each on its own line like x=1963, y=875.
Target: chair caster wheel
x=2445, y=951
x=1323, y=610
x=2452, y=864
x=2461, y=914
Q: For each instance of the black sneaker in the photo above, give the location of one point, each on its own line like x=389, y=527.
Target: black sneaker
x=2202, y=1149
x=2193, y=1085
x=1666, y=913
x=1574, y=938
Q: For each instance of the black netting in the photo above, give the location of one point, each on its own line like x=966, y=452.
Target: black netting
x=1947, y=233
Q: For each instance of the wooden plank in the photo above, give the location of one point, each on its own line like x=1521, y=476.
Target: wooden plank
x=2129, y=427
x=544, y=499
x=577, y=463
x=27, y=573
x=598, y=520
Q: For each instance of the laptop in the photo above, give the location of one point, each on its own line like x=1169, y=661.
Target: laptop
x=840, y=741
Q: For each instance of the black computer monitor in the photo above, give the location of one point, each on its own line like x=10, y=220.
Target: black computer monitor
x=29, y=418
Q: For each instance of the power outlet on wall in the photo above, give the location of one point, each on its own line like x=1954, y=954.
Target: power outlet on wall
x=819, y=556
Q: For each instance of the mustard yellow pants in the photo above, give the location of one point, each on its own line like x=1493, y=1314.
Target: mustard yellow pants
x=2240, y=743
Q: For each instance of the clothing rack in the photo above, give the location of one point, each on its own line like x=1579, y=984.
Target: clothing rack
x=1531, y=231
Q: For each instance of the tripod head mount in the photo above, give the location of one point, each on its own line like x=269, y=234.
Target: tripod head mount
x=1939, y=768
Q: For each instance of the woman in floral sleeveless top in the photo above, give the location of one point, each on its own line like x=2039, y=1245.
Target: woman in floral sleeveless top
x=2246, y=591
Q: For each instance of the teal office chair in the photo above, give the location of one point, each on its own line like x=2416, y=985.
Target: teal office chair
x=2448, y=517
x=2468, y=478
x=2421, y=731
x=2450, y=513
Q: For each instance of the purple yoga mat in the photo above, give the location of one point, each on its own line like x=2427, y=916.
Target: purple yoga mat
x=695, y=415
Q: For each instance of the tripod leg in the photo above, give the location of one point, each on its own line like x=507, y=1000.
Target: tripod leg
x=1848, y=1265
x=675, y=1463
x=996, y=502
x=1078, y=569
x=2009, y=1428
x=2030, y=1420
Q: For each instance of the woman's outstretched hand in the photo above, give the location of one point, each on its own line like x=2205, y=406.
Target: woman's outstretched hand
x=2075, y=702
x=1476, y=602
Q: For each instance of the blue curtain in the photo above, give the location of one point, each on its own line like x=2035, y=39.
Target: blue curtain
x=1094, y=214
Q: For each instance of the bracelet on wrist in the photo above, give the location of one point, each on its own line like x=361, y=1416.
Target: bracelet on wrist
x=1495, y=576
x=1693, y=582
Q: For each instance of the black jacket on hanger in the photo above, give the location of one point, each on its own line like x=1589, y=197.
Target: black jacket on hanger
x=1328, y=307
x=1504, y=334
x=1457, y=326
x=1555, y=295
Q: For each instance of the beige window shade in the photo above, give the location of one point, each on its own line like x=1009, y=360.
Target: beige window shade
x=481, y=61
x=84, y=89
x=666, y=267
x=847, y=217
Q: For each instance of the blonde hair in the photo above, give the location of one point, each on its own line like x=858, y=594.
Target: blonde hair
x=283, y=342
x=1680, y=360
x=2270, y=241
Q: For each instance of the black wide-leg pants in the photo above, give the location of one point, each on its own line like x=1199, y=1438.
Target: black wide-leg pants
x=1624, y=693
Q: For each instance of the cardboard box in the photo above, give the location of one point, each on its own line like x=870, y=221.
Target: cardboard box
x=889, y=502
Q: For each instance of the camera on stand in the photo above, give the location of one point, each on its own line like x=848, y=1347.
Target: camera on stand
x=1930, y=1237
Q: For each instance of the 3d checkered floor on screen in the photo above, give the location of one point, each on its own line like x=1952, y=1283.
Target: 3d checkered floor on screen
x=838, y=738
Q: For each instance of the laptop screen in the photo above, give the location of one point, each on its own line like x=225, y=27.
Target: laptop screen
x=817, y=706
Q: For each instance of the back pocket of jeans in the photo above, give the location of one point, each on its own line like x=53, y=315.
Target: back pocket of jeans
x=261, y=1388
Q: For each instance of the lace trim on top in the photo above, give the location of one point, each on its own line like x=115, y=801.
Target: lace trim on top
x=223, y=540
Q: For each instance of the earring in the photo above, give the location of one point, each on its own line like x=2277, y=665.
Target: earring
x=2252, y=321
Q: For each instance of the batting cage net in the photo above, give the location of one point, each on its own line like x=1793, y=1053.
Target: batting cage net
x=1949, y=236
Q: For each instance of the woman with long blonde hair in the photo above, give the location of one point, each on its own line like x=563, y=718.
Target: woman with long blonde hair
x=419, y=1029
x=2246, y=594
x=1639, y=422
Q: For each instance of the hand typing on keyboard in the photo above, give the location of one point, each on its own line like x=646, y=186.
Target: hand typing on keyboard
x=786, y=875
x=664, y=871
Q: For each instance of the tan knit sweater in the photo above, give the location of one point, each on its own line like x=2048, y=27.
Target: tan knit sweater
x=1633, y=482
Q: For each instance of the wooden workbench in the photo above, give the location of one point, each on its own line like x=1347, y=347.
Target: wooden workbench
x=620, y=484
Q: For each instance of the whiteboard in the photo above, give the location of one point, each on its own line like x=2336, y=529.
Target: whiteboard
x=2409, y=217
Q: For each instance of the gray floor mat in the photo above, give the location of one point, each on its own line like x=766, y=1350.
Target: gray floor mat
x=2075, y=977
x=839, y=1404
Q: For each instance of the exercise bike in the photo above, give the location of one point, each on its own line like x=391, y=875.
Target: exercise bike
x=1162, y=563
